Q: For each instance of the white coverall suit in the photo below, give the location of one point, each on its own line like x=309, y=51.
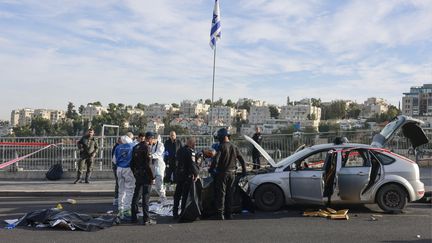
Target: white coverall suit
x=158, y=167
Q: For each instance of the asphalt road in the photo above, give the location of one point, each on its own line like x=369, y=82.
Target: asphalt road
x=288, y=225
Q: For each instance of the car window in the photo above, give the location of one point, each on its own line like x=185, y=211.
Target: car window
x=313, y=161
x=384, y=159
x=355, y=158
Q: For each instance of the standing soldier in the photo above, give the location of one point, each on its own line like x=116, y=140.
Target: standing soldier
x=224, y=168
x=144, y=177
x=257, y=137
x=187, y=171
x=172, y=145
x=88, y=148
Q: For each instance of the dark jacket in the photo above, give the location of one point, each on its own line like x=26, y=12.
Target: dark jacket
x=88, y=146
x=171, y=149
x=226, y=158
x=257, y=137
x=140, y=164
x=187, y=166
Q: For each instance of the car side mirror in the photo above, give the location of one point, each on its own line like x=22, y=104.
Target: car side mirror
x=293, y=167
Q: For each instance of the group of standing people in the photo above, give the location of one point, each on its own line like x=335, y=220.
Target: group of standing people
x=141, y=164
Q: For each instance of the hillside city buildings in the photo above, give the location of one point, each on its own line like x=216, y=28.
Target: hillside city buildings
x=200, y=118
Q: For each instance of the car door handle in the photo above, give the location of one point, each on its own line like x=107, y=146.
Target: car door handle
x=361, y=174
x=314, y=177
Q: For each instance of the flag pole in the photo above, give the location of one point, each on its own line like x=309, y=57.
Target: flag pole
x=213, y=85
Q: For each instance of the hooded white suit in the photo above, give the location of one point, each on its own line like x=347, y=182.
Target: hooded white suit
x=158, y=166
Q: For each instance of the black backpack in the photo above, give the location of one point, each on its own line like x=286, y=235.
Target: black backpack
x=55, y=172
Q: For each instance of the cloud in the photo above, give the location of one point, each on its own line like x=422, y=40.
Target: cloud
x=142, y=51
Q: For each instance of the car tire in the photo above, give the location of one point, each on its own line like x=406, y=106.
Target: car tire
x=392, y=198
x=269, y=197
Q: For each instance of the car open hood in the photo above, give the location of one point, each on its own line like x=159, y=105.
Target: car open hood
x=262, y=151
x=410, y=129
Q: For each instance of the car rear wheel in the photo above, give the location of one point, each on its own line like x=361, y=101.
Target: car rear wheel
x=392, y=198
x=269, y=197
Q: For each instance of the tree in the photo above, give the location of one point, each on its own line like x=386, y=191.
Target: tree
x=175, y=105
x=22, y=131
x=41, y=126
x=229, y=103
x=207, y=102
x=81, y=109
x=219, y=102
x=246, y=105
x=140, y=106
x=316, y=102
x=71, y=112
x=353, y=111
x=96, y=103
x=336, y=110
x=274, y=111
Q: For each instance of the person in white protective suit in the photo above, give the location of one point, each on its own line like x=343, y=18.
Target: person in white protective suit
x=158, y=166
x=126, y=180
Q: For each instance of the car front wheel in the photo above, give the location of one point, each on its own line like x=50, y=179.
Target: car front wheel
x=392, y=198
x=269, y=197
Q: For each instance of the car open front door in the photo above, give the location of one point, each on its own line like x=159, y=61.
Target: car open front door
x=410, y=128
x=306, y=178
x=354, y=174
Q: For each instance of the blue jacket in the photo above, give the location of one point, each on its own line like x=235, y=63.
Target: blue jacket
x=123, y=155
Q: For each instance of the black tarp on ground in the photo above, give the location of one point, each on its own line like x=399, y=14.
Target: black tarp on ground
x=241, y=200
x=193, y=207
x=56, y=218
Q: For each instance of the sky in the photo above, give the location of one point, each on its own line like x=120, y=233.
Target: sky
x=53, y=52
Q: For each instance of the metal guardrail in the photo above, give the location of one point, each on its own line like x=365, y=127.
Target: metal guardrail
x=277, y=145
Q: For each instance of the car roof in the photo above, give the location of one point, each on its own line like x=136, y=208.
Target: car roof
x=318, y=147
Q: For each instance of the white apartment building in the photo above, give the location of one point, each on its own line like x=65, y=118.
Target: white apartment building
x=300, y=111
x=374, y=106
x=91, y=111
x=156, y=125
x=14, y=121
x=193, y=109
x=221, y=114
x=418, y=101
x=259, y=112
x=157, y=111
x=195, y=126
x=23, y=117
x=57, y=116
x=242, y=113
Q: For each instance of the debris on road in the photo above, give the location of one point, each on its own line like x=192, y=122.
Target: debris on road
x=57, y=218
x=71, y=201
x=328, y=213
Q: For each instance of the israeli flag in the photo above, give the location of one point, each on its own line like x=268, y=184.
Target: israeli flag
x=215, y=32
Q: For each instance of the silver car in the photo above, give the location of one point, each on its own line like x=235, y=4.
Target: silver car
x=343, y=172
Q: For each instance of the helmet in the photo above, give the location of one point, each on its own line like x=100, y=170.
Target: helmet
x=223, y=132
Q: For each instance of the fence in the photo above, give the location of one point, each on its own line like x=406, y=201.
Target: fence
x=277, y=145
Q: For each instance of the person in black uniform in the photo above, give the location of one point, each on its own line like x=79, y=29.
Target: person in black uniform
x=144, y=177
x=257, y=137
x=186, y=173
x=172, y=145
x=224, y=168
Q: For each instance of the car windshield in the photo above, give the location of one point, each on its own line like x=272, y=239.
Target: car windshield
x=294, y=157
x=391, y=127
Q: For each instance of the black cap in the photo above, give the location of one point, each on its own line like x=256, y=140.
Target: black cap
x=149, y=134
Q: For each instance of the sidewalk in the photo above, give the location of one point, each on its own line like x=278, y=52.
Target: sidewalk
x=63, y=187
